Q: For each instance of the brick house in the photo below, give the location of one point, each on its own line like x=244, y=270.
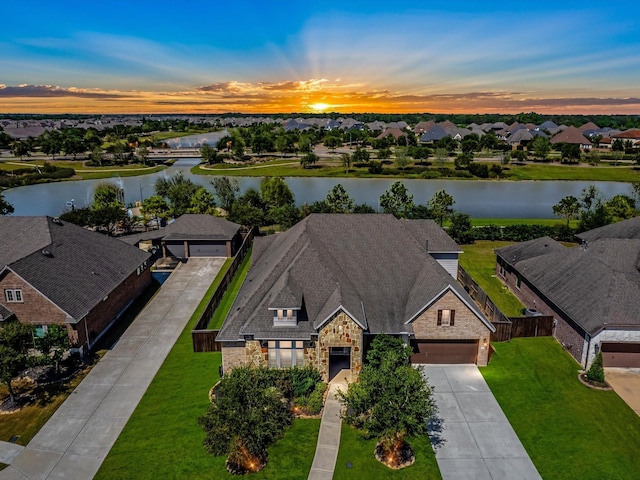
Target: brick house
x=591, y=290
x=318, y=293
x=54, y=272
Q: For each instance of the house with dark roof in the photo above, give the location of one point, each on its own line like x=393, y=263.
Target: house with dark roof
x=571, y=135
x=318, y=293
x=591, y=290
x=54, y=272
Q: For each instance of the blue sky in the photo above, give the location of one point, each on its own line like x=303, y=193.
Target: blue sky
x=292, y=56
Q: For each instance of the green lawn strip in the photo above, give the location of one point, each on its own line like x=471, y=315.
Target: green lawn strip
x=479, y=260
x=566, y=172
x=210, y=291
x=117, y=173
x=569, y=430
x=230, y=295
x=504, y=222
x=359, y=452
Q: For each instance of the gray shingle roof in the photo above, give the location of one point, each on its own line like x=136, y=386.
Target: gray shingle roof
x=597, y=287
x=81, y=267
x=428, y=232
x=373, y=266
x=625, y=229
x=530, y=249
x=201, y=227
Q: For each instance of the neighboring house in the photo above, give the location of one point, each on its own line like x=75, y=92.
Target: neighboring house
x=434, y=134
x=591, y=290
x=318, y=293
x=54, y=272
x=395, y=132
x=192, y=235
x=571, y=135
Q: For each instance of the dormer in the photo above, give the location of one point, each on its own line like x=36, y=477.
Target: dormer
x=285, y=317
x=286, y=302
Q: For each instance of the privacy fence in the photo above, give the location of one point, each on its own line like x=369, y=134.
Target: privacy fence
x=204, y=339
x=506, y=327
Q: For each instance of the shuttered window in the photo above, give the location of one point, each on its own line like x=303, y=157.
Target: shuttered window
x=446, y=318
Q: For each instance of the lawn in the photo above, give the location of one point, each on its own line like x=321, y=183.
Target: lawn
x=479, y=261
x=359, y=452
x=230, y=295
x=163, y=439
x=545, y=171
x=504, y=222
x=569, y=430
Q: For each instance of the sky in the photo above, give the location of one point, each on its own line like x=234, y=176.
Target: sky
x=281, y=56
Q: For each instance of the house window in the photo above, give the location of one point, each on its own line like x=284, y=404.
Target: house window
x=40, y=331
x=446, y=318
x=286, y=353
x=518, y=281
x=13, y=295
x=284, y=317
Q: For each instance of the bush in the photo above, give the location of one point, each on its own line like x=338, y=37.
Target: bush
x=375, y=167
x=480, y=170
x=304, y=379
x=315, y=400
x=596, y=371
x=430, y=174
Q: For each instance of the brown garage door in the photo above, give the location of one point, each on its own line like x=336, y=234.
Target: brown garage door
x=445, y=351
x=621, y=354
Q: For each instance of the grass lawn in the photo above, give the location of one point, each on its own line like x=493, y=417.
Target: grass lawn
x=504, y=222
x=163, y=439
x=572, y=172
x=479, y=261
x=569, y=430
x=230, y=295
x=358, y=451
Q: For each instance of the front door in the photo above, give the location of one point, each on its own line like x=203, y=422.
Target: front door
x=339, y=359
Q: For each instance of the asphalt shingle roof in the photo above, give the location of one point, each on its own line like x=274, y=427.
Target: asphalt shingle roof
x=201, y=227
x=625, y=229
x=373, y=266
x=73, y=267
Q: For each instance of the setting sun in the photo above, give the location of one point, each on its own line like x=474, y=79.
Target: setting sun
x=320, y=107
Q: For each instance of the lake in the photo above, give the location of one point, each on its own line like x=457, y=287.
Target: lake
x=478, y=198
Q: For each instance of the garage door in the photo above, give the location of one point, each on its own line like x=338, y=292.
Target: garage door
x=207, y=250
x=445, y=351
x=621, y=354
x=175, y=249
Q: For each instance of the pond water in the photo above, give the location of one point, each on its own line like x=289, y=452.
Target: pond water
x=478, y=198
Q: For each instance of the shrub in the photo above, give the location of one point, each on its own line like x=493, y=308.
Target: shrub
x=430, y=174
x=315, y=400
x=304, y=379
x=596, y=371
x=375, y=167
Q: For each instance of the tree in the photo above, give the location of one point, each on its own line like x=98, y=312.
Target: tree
x=594, y=212
x=275, y=192
x=238, y=147
x=305, y=145
x=249, y=209
x=460, y=229
x=441, y=204
x=285, y=216
x=463, y=160
x=397, y=200
x=20, y=149
x=469, y=145
x=621, y=207
x=53, y=345
x=178, y=190
x=247, y=414
x=596, y=371
x=570, y=152
x=202, y=202
x=391, y=401
x=97, y=156
x=106, y=195
x=332, y=142
x=441, y=156
x=540, y=147
x=261, y=143
x=51, y=143
x=309, y=159
x=402, y=159
x=226, y=189
x=143, y=154
x=15, y=340
x=384, y=153
x=360, y=155
x=156, y=206
x=338, y=200
x=346, y=161
x=5, y=207
x=568, y=207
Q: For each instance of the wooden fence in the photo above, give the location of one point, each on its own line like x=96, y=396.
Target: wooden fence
x=204, y=339
x=506, y=327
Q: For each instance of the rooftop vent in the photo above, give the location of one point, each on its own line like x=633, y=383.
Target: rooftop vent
x=57, y=221
x=46, y=253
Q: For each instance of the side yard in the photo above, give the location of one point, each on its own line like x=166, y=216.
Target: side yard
x=569, y=430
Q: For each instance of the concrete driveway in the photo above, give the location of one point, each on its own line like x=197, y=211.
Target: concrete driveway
x=626, y=383
x=77, y=438
x=472, y=437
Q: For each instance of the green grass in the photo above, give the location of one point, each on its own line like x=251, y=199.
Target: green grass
x=358, y=451
x=569, y=430
x=230, y=295
x=504, y=222
x=163, y=439
x=572, y=172
x=479, y=261
x=202, y=306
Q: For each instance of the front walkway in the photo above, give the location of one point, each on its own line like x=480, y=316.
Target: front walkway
x=472, y=437
x=77, y=438
x=324, y=461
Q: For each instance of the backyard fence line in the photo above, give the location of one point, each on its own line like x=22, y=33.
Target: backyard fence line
x=203, y=338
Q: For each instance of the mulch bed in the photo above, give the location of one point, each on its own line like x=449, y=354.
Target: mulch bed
x=405, y=457
x=582, y=376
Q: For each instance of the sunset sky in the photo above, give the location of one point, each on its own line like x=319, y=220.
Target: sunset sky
x=301, y=56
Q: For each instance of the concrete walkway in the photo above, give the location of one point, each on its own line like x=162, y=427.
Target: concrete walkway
x=324, y=461
x=473, y=438
x=77, y=438
x=626, y=383
x=9, y=451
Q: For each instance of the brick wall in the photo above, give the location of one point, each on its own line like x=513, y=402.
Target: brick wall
x=565, y=331
x=467, y=326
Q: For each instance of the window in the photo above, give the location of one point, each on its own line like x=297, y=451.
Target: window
x=446, y=318
x=518, y=281
x=286, y=353
x=13, y=295
x=40, y=331
x=284, y=318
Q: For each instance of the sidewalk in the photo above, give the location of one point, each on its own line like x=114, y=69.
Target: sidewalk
x=324, y=461
x=77, y=438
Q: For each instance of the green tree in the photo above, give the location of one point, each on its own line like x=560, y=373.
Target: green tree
x=338, y=200
x=568, y=207
x=463, y=160
x=247, y=414
x=304, y=145
x=441, y=156
x=53, y=345
x=360, y=155
x=570, y=152
x=596, y=371
x=178, y=190
x=226, y=189
x=156, y=206
x=51, y=143
x=309, y=159
x=143, y=154
x=397, y=200
x=285, y=216
x=261, y=143
x=332, y=142
x=202, y=202
x=441, y=205
x=540, y=147
x=384, y=153
x=621, y=207
x=106, y=195
x=238, y=147
x=20, y=149
x=402, y=159
x=275, y=192
x=5, y=207
x=15, y=340
x=97, y=156
x=346, y=161
x=391, y=402
x=461, y=229
x=594, y=212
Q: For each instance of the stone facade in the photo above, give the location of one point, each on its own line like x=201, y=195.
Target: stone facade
x=467, y=326
x=233, y=356
x=255, y=355
x=566, y=332
x=341, y=331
